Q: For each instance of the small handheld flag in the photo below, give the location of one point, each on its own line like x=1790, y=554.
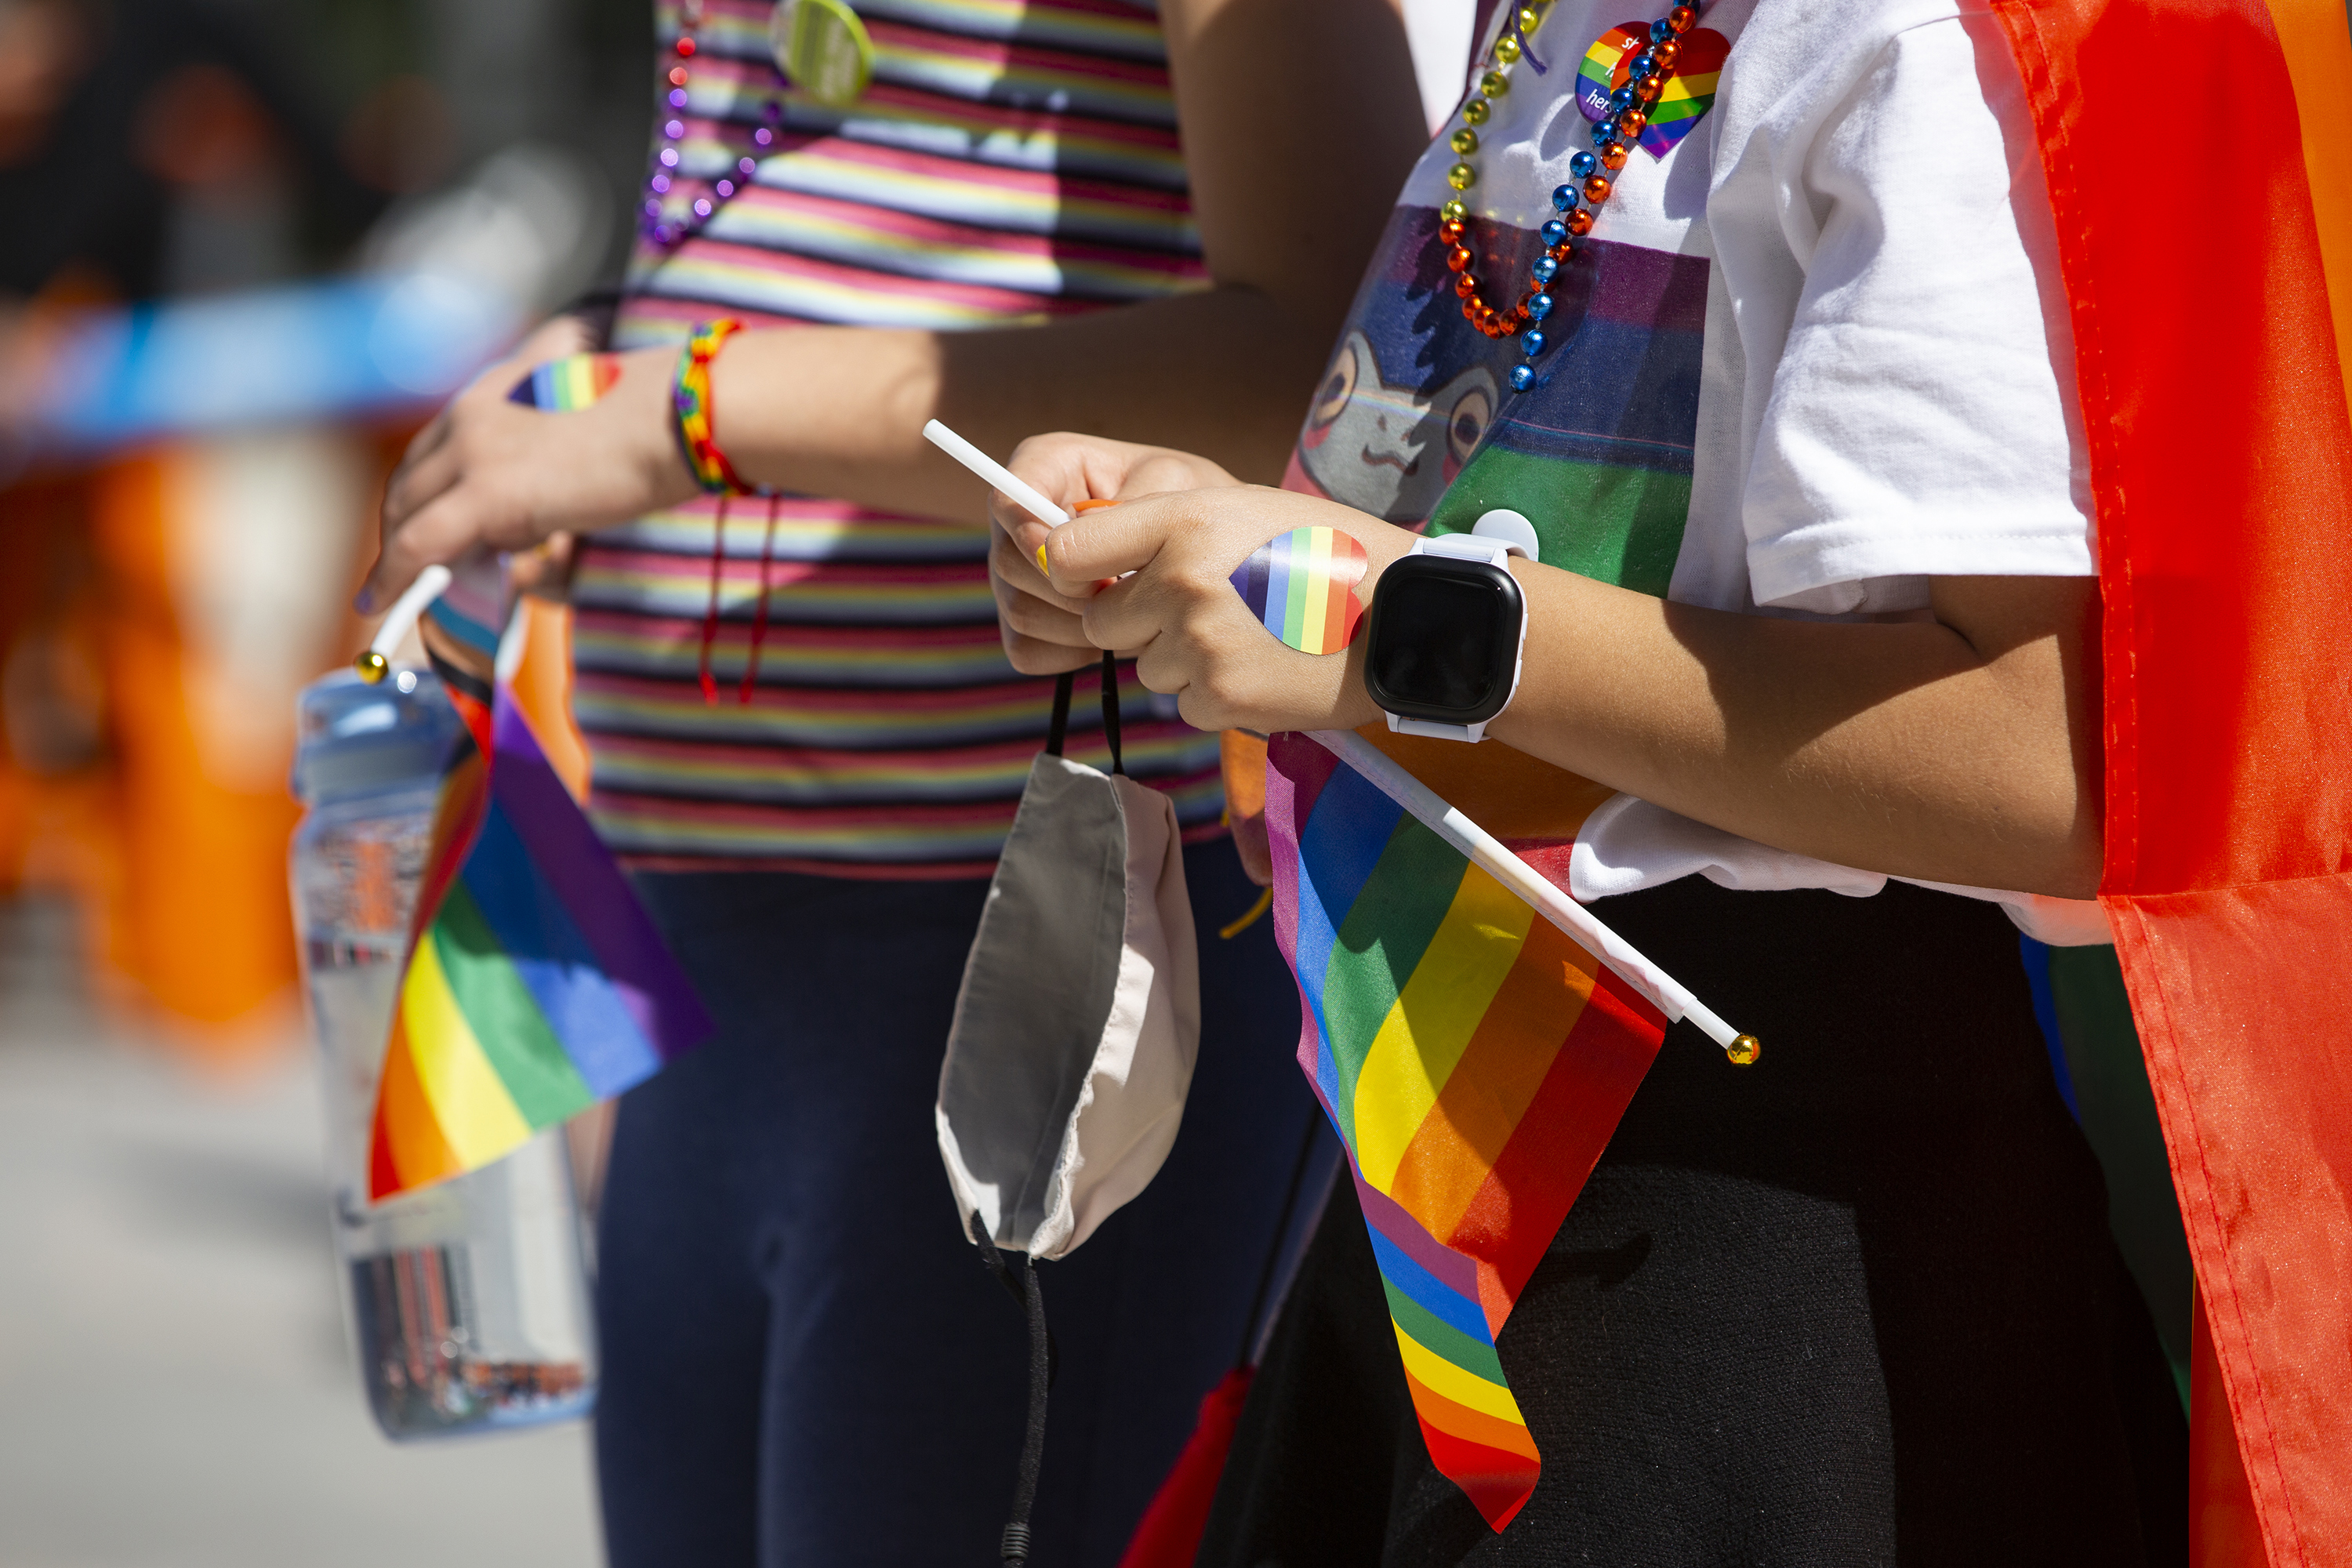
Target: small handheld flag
x=536, y=983
x=1473, y=1057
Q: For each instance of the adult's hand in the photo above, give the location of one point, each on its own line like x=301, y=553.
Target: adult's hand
x=490, y=472
x=1165, y=564
x=1041, y=626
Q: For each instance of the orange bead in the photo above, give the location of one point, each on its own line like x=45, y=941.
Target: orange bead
x=1596, y=188
x=677, y=75
x=1459, y=258
x=1465, y=286
x=1681, y=18
x=1648, y=88
x=1579, y=222
x=1632, y=123
x=1563, y=250
x=1449, y=231
x=1613, y=155
x=1666, y=54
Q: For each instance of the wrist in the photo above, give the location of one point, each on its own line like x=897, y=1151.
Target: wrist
x=695, y=414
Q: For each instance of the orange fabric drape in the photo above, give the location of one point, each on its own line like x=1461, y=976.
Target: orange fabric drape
x=2214, y=397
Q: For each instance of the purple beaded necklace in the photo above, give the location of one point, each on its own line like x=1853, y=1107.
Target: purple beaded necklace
x=674, y=210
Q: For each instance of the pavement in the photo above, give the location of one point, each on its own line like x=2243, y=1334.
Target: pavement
x=176, y=1387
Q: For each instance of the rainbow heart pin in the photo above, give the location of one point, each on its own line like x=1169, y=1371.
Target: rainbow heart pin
x=1690, y=90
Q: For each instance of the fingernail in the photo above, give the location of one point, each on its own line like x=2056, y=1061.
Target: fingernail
x=1041, y=561
x=363, y=602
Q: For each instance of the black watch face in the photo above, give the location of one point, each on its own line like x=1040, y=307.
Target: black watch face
x=1444, y=637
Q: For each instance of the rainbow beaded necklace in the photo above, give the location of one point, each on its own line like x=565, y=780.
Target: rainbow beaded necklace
x=1647, y=72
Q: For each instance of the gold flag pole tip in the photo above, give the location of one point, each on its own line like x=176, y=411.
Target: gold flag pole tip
x=1743, y=1051
x=371, y=665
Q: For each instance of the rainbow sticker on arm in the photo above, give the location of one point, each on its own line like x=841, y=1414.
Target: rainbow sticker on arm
x=1302, y=587
x=569, y=384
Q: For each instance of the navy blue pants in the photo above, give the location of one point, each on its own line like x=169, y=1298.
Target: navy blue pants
x=805, y=1362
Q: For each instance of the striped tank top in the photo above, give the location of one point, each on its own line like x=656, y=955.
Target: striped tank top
x=1014, y=161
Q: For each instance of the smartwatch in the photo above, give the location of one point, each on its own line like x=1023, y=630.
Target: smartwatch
x=1447, y=630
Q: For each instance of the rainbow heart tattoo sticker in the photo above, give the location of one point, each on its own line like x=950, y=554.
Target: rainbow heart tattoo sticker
x=1690, y=90
x=567, y=385
x=1302, y=587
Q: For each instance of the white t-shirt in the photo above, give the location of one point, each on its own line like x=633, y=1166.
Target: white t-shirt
x=1817, y=355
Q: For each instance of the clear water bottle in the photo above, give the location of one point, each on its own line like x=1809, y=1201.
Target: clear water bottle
x=468, y=1300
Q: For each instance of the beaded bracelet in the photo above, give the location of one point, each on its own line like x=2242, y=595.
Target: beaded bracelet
x=691, y=403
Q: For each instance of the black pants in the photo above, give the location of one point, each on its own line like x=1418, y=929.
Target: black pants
x=1855, y=1304
x=806, y=1364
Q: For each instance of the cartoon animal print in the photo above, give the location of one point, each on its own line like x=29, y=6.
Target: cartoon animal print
x=1385, y=448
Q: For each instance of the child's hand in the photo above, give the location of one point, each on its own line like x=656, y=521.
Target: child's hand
x=1040, y=626
x=488, y=471
x=1192, y=632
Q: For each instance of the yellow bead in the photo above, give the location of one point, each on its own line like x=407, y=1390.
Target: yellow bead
x=371, y=665
x=1455, y=211
x=1493, y=84
x=1529, y=18
x=1475, y=112
x=1744, y=1051
x=1462, y=176
x=1465, y=142
x=1507, y=50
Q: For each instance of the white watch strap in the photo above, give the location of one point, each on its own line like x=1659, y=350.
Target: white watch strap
x=1465, y=547
x=1474, y=734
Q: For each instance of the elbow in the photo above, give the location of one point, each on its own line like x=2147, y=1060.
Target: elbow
x=2069, y=863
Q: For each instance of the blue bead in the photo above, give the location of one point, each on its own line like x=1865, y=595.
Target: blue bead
x=1640, y=66
x=1532, y=343
x=1538, y=306
x=1582, y=166
x=1543, y=269
x=1554, y=233
x=1603, y=133
x=1522, y=377
x=1660, y=32
x=1621, y=99
x=1563, y=197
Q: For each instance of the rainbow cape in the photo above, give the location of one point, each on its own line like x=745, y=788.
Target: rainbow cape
x=535, y=983
x=1473, y=1061
x=2213, y=378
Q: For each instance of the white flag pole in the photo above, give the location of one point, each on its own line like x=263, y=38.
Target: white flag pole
x=1490, y=854
x=995, y=473
x=400, y=620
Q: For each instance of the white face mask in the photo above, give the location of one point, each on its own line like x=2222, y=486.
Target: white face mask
x=1079, y=1018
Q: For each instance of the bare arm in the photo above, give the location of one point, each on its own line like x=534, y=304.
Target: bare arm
x=1957, y=749
x=1300, y=120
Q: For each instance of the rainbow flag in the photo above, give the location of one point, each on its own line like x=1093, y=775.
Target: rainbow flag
x=1473, y=1061
x=2216, y=387
x=536, y=983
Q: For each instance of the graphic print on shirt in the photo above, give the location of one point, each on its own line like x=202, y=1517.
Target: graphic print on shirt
x=1409, y=423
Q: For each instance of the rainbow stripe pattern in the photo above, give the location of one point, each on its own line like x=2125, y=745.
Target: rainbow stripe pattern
x=535, y=985
x=1302, y=587
x=568, y=384
x=1473, y=1059
x=1689, y=92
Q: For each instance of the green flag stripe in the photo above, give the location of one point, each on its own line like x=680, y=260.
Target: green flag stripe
x=505, y=1017
x=1387, y=929
x=1441, y=1338
x=1612, y=523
